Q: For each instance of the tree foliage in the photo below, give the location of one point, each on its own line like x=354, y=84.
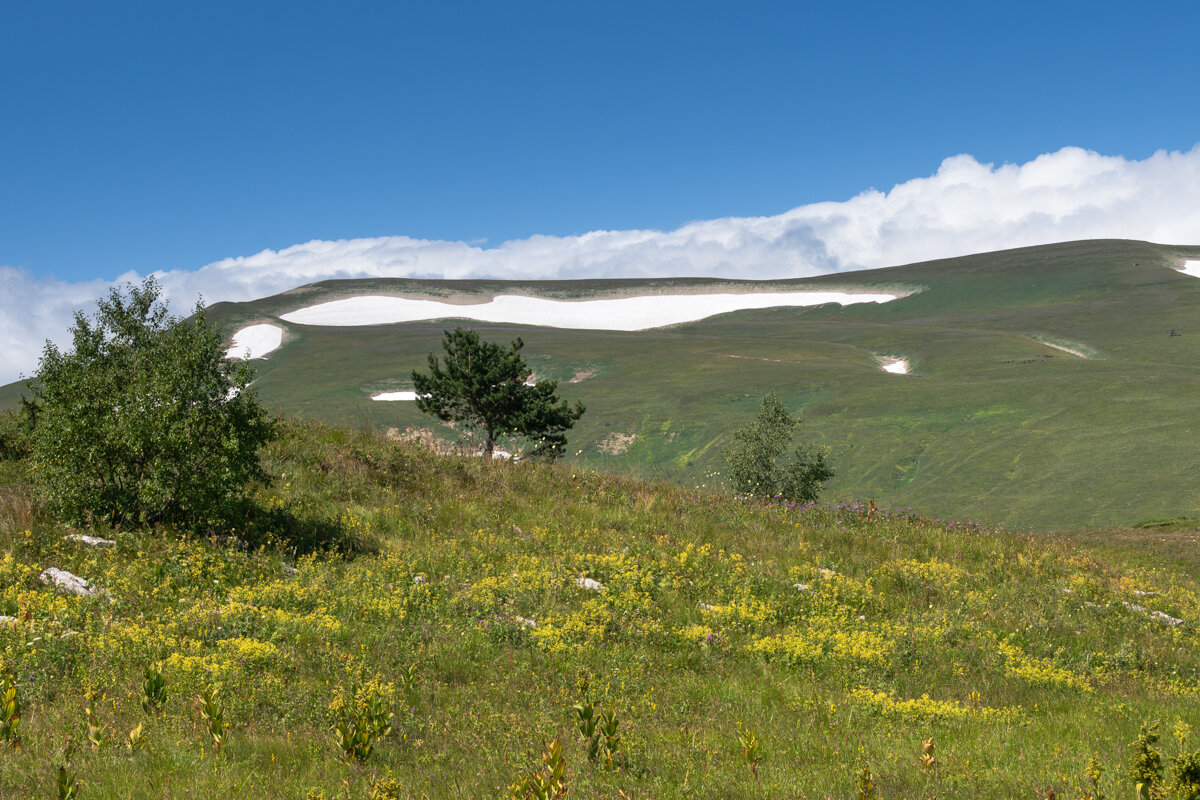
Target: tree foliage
x=144, y=420
x=483, y=387
x=15, y=428
x=758, y=462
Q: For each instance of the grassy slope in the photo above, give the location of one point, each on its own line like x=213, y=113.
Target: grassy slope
x=1028, y=654
x=992, y=424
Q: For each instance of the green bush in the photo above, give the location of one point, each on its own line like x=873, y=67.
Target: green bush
x=1146, y=765
x=14, y=435
x=757, y=464
x=144, y=420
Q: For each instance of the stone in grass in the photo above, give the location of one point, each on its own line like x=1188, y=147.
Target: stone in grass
x=68, y=582
x=590, y=584
x=528, y=623
x=1166, y=619
x=91, y=541
x=7, y=620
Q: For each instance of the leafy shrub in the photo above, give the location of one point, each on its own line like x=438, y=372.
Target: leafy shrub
x=14, y=435
x=1146, y=765
x=757, y=465
x=1185, y=776
x=144, y=420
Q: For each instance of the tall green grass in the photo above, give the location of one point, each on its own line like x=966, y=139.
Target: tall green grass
x=840, y=637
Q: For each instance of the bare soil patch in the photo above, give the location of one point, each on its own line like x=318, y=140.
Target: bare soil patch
x=616, y=443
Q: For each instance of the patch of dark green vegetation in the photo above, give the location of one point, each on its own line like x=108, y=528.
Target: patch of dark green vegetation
x=1174, y=524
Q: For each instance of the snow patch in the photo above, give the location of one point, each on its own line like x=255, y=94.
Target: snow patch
x=255, y=341
x=389, y=396
x=1071, y=350
x=1191, y=268
x=1062, y=345
x=896, y=366
x=614, y=314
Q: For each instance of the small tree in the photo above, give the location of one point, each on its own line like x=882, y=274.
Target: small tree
x=756, y=461
x=484, y=387
x=144, y=420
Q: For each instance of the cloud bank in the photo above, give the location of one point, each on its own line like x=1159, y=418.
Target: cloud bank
x=965, y=207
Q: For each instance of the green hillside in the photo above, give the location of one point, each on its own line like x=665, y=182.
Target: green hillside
x=841, y=636
x=993, y=423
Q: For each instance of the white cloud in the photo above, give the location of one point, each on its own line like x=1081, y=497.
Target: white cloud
x=965, y=207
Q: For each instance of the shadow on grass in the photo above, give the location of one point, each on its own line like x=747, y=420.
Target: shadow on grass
x=300, y=534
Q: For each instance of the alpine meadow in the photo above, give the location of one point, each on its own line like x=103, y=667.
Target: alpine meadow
x=1047, y=387
x=771, y=562
x=599, y=401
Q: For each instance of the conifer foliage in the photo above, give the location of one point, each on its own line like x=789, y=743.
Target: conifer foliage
x=486, y=387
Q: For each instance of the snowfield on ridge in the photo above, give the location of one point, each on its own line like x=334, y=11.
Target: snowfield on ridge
x=615, y=314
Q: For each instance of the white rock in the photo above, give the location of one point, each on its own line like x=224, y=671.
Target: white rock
x=705, y=607
x=862, y=618
x=66, y=581
x=4, y=619
x=91, y=541
x=1166, y=619
x=801, y=587
x=528, y=623
x=590, y=584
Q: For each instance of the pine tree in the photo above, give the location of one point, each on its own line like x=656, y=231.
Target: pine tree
x=485, y=387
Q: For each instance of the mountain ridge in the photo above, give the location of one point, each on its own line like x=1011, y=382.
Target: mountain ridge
x=996, y=419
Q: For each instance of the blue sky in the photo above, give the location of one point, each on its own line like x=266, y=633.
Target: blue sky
x=241, y=149
x=167, y=135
